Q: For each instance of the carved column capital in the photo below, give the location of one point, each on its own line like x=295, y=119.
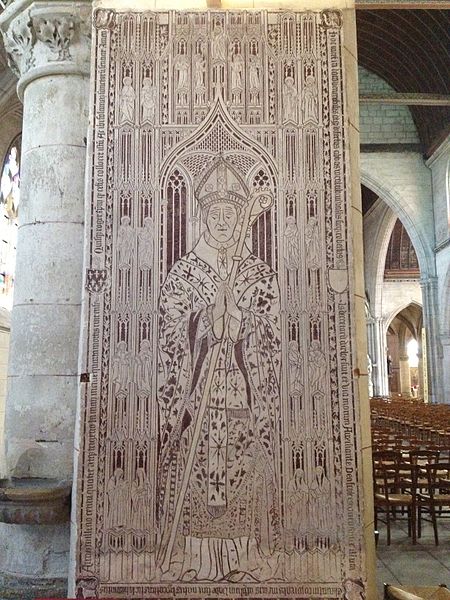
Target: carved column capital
x=46, y=38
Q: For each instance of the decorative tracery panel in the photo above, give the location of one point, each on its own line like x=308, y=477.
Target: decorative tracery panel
x=219, y=435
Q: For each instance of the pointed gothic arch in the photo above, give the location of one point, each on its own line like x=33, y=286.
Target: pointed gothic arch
x=218, y=135
x=398, y=310
x=422, y=246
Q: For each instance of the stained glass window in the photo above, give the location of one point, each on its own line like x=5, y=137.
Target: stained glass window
x=9, y=206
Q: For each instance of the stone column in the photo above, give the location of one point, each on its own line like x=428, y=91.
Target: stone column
x=446, y=361
x=439, y=163
x=435, y=369
x=405, y=375
x=421, y=370
x=377, y=349
x=48, y=47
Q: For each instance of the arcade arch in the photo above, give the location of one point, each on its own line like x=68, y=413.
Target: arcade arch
x=388, y=293
x=406, y=196
x=405, y=327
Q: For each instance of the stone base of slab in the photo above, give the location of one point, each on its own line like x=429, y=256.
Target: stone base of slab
x=24, y=588
x=39, y=553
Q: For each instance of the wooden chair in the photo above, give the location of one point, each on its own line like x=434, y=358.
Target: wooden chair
x=395, y=486
x=420, y=457
x=444, y=453
x=436, y=496
x=387, y=456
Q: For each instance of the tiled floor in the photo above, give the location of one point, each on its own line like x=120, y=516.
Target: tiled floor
x=421, y=564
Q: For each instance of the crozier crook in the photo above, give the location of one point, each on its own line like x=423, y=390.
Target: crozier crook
x=258, y=203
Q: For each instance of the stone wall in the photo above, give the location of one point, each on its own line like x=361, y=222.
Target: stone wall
x=397, y=295
x=439, y=164
x=383, y=123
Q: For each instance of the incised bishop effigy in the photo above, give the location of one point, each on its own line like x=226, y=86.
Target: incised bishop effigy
x=219, y=444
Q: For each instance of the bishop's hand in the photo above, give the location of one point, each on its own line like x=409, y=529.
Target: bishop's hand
x=225, y=313
x=232, y=308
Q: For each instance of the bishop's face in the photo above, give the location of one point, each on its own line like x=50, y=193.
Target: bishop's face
x=221, y=221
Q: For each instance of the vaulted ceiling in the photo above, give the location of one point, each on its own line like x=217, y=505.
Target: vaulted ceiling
x=410, y=50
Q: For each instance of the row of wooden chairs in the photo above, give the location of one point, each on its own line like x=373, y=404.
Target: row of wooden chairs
x=410, y=446
x=427, y=423
x=411, y=461
x=417, y=485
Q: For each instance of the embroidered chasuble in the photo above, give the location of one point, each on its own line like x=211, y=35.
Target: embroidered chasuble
x=235, y=452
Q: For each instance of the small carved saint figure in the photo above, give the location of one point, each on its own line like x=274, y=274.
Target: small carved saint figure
x=199, y=78
x=182, y=64
x=295, y=369
x=140, y=500
x=254, y=78
x=312, y=239
x=125, y=242
x=199, y=72
x=320, y=489
x=143, y=367
x=218, y=44
x=291, y=245
x=117, y=493
x=237, y=69
x=148, y=100
x=290, y=100
x=298, y=499
x=127, y=98
x=122, y=371
x=309, y=101
x=229, y=526
x=146, y=237
x=182, y=78
x=317, y=366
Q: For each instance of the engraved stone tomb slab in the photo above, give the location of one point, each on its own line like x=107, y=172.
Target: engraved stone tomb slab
x=219, y=439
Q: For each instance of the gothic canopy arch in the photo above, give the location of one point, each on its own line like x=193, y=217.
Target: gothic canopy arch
x=219, y=134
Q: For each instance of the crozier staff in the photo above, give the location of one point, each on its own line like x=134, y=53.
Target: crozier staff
x=219, y=396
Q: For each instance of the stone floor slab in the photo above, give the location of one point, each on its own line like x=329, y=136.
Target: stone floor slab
x=421, y=564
